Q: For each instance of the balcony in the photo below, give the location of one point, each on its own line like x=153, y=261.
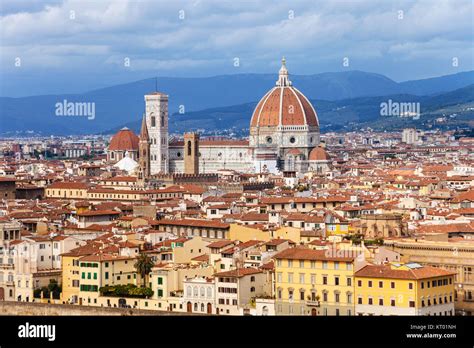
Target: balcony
x=313, y=303
x=6, y=265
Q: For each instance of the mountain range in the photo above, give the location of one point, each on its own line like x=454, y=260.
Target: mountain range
x=358, y=94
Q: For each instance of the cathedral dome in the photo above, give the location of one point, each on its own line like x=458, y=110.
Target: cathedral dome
x=319, y=154
x=124, y=140
x=284, y=105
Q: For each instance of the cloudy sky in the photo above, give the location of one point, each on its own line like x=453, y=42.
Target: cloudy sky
x=74, y=46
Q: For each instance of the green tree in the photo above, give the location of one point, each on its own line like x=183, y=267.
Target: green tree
x=143, y=266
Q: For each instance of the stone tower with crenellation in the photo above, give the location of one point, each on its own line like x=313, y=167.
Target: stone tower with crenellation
x=191, y=153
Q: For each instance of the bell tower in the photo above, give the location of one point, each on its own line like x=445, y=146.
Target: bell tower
x=191, y=153
x=144, y=152
x=156, y=112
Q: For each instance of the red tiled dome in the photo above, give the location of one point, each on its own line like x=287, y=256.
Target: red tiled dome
x=124, y=140
x=319, y=154
x=284, y=105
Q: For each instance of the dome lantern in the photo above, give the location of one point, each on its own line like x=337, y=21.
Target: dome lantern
x=283, y=80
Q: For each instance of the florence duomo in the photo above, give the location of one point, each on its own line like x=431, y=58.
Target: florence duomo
x=170, y=163
x=284, y=136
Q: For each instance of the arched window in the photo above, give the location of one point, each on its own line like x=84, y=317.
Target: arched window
x=209, y=292
x=252, y=289
x=189, y=291
x=195, y=307
x=189, y=147
x=153, y=121
x=196, y=293
x=202, y=307
x=252, y=278
x=203, y=291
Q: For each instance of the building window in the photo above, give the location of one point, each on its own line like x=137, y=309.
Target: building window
x=160, y=281
x=359, y=283
x=410, y=286
x=153, y=121
x=412, y=304
x=189, y=147
x=392, y=302
x=370, y=283
x=380, y=284
x=380, y=301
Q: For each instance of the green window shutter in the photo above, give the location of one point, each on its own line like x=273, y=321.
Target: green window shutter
x=160, y=293
x=83, y=275
x=95, y=275
x=160, y=281
x=106, y=275
x=88, y=275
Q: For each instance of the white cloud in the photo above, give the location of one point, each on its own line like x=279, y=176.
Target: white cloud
x=258, y=32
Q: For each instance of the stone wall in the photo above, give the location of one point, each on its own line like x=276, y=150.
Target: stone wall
x=43, y=309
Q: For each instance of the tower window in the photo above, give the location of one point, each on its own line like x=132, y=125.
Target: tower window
x=153, y=121
x=292, y=140
x=189, y=147
x=162, y=121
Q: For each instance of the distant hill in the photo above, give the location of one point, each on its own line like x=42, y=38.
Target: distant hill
x=121, y=104
x=333, y=115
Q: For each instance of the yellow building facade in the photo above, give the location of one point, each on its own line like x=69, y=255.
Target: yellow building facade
x=404, y=289
x=313, y=282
